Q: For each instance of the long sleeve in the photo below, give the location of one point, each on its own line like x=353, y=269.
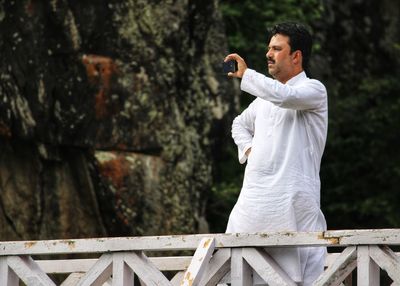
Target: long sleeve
x=310, y=94
x=243, y=131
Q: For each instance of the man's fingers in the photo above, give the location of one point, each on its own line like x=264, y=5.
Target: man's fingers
x=232, y=57
x=233, y=74
x=228, y=57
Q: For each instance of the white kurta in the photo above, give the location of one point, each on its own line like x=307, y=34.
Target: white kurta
x=286, y=128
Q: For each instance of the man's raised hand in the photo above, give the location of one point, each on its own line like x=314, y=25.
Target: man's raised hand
x=241, y=64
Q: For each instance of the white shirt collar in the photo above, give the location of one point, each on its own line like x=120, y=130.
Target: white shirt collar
x=297, y=78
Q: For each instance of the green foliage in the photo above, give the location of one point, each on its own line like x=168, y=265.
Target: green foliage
x=224, y=196
x=225, y=191
x=360, y=172
x=360, y=169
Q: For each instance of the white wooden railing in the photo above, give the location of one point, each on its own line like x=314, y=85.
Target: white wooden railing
x=217, y=259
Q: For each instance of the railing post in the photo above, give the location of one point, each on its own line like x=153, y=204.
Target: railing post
x=122, y=274
x=7, y=276
x=240, y=271
x=367, y=270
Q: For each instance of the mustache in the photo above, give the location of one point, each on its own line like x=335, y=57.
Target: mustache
x=270, y=60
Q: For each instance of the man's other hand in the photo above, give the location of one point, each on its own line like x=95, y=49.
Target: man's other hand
x=241, y=64
x=248, y=151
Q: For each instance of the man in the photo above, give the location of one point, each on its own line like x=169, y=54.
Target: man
x=282, y=135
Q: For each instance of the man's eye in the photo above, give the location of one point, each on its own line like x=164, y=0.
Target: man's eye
x=274, y=49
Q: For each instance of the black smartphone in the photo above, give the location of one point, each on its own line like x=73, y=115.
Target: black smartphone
x=229, y=66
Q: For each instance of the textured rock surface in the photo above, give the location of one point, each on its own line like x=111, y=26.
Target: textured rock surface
x=109, y=114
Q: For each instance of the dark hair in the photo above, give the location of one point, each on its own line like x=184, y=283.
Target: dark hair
x=299, y=39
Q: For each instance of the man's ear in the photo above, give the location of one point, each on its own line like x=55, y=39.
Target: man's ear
x=297, y=57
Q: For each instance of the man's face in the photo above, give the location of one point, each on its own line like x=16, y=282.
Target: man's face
x=280, y=60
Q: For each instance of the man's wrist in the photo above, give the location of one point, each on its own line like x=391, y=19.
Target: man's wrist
x=242, y=73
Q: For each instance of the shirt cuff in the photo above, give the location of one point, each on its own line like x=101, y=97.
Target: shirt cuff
x=246, y=78
x=242, y=153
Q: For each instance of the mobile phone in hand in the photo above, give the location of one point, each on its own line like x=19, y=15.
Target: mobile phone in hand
x=229, y=66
